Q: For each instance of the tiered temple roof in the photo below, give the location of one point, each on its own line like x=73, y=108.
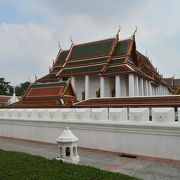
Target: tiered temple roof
x=47, y=95
x=107, y=57
x=57, y=66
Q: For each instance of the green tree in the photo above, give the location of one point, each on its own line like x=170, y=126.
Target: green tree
x=5, y=87
x=22, y=88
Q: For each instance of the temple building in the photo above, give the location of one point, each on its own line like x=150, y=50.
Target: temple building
x=47, y=95
x=107, y=68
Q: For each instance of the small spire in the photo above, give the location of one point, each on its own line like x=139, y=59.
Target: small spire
x=135, y=31
x=117, y=34
x=60, y=49
x=71, y=40
x=14, y=90
x=173, y=75
x=35, y=78
x=29, y=80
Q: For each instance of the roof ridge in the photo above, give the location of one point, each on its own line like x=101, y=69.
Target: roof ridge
x=114, y=44
x=93, y=42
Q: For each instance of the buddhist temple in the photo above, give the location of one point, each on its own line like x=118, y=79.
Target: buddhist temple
x=107, y=68
x=100, y=69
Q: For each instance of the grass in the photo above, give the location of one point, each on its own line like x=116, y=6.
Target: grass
x=15, y=165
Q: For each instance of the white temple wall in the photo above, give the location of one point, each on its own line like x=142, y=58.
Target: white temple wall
x=80, y=86
x=136, y=85
x=132, y=85
x=140, y=136
x=111, y=85
x=94, y=85
x=123, y=86
x=107, y=87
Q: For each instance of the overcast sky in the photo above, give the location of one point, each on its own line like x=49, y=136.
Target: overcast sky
x=30, y=31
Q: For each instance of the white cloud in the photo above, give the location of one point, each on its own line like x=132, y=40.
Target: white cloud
x=33, y=45
x=25, y=50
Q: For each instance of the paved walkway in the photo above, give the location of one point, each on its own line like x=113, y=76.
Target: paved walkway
x=143, y=169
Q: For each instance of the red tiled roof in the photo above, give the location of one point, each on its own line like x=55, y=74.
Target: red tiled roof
x=45, y=91
x=47, y=95
x=4, y=99
x=161, y=101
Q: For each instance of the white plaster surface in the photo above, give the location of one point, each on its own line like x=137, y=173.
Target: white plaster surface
x=82, y=114
x=118, y=114
x=99, y=114
x=139, y=114
x=156, y=139
x=163, y=115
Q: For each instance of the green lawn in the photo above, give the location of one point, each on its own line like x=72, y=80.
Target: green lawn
x=15, y=165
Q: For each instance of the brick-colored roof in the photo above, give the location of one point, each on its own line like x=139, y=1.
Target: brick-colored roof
x=161, y=101
x=48, y=95
x=4, y=99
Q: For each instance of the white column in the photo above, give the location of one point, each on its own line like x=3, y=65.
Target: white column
x=87, y=86
x=163, y=90
x=150, y=89
x=131, y=84
x=153, y=91
x=136, y=85
x=102, y=86
x=156, y=90
x=147, y=88
x=141, y=87
x=118, y=86
x=159, y=90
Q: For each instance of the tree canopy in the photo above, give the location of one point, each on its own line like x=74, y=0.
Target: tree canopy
x=5, y=87
x=7, y=90
x=21, y=89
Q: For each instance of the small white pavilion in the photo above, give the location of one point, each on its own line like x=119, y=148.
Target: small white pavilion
x=67, y=147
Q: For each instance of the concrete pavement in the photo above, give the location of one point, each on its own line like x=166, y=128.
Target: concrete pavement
x=147, y=169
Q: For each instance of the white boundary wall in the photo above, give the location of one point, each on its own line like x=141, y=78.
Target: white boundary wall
x=113, y=129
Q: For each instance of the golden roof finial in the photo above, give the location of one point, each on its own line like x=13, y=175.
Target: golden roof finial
x=71, y=39
x=117, y=34
x=135, y=32
x=59, y=45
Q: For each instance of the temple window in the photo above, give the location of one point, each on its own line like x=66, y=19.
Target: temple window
x=67, y=151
